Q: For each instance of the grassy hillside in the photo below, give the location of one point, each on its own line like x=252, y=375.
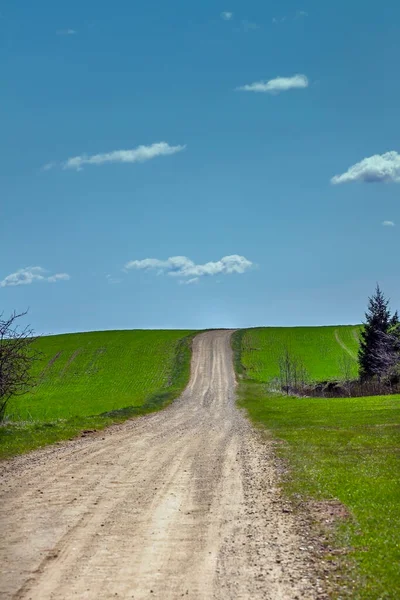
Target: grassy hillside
x=84, y=374
x=320, y=348
x=344, y=449
x=80, y=376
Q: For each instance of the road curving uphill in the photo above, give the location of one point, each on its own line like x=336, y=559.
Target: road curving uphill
x=183, y=502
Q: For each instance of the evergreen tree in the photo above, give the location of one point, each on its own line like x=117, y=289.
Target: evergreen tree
x=375, y=342
x=394, y=329
x=395, y=321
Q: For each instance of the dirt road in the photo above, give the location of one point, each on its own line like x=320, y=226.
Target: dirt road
x=179, y=503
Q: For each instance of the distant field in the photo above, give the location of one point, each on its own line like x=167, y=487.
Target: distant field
x=83, y=375
x=320, y=348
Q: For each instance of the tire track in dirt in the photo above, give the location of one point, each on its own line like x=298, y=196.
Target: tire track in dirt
x=181, y=502
x=341, y=343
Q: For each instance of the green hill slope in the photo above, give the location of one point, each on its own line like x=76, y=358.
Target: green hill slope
x=320, y=348
x=85, y=374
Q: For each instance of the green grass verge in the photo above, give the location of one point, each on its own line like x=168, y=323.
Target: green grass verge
x=346, y=449
x=91, y=380
x=321, y=349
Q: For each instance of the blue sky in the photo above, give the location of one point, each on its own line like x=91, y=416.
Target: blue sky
x=211, y=171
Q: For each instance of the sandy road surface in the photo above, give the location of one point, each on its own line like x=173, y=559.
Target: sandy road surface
x=178, y=503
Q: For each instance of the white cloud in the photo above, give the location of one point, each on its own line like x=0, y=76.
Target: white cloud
x=301, y=14
x=181, y=266
x=380, y=168
x=277, y=85
x=388, y=223
x=226, y=15
x=30, y=275
x=66, y=32
x=139, y=154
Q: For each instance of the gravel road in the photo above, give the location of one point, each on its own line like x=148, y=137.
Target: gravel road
x=183, y=502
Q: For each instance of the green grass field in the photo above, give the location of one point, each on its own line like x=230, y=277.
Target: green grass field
x=320, y=348
x=80, y=376
x=346, y=449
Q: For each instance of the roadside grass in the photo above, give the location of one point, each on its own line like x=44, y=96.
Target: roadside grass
x=88, y=381
x=321, y=349
x=345, y=449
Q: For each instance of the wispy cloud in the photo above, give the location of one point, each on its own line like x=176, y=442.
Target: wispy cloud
x=30, y=275
x=277, y=85
x=380, y=168
x=113, y=280
x=66, y=32
x=57, y=277
x=299, y=14
x=49, y=166
x=181, y=266
x=226, y=15
x=249, y=25
x=189, y=281
x=139, y=154
x=388, y=223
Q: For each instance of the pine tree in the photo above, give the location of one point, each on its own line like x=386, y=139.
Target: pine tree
x=395, y=321
x=375, y=343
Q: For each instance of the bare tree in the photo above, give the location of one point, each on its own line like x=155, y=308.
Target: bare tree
x=292, y=372
x=285, y=370
x=346, y=364
x=386, y=353
x=16, y=358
